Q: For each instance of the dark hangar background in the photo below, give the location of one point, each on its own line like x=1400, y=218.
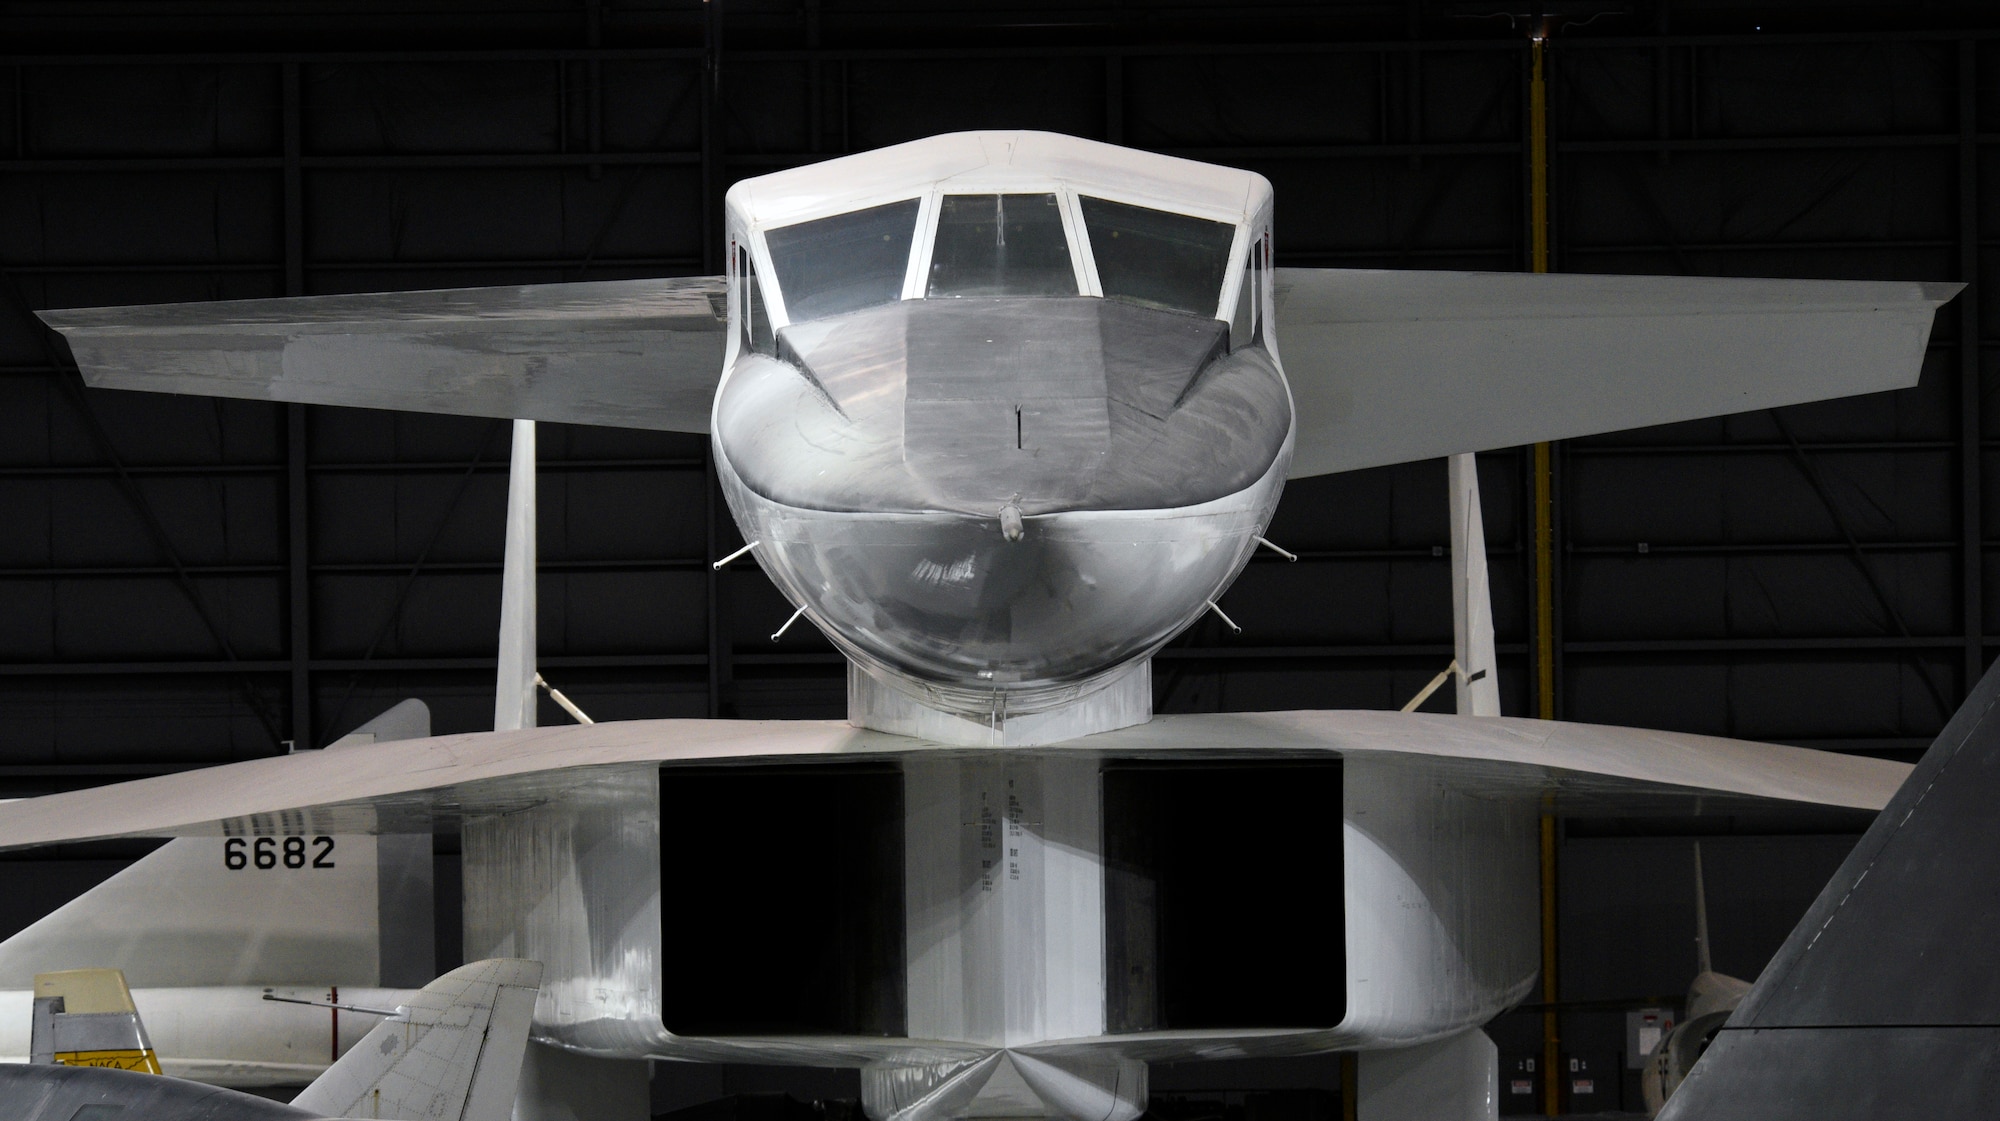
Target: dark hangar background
x=186, y=582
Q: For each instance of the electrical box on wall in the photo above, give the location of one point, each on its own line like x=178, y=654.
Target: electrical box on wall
x=1590, y=1083
x=1520, y=1085
x=1644, y=1029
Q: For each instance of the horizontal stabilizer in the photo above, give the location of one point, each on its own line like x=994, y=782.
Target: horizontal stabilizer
x=1884, y=1001
x=625, y=353
x=1392, y=366
x=398, y=787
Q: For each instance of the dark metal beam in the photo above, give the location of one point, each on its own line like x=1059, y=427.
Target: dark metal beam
x=298, y=512
x=1972, y=561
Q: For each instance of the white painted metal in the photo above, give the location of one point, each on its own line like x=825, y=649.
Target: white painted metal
x=984, y=161
x=1441, y=920
x=183, y=917
x=631, y=353
x=1454, y=1079
x=408, y=719
x=1005, y=929
x=1004, y=886
x=1007, y=1084
x=514, y=685
x=1127, y=699
x=389, y=786
x=1477, y=679
x=1389, y=366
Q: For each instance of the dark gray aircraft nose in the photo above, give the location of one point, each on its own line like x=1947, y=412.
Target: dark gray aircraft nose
x=972, y=405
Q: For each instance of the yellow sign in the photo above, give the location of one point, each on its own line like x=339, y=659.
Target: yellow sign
x=145, y=1061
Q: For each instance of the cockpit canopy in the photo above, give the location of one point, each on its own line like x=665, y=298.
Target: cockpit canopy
x=995, y=215
x=1002, y=244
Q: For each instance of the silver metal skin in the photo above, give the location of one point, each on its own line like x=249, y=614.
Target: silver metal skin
x=1004, y=414
x=997, y=505
x=1011, y=981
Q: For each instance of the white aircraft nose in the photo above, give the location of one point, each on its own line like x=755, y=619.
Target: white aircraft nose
x=1003, y=495
x=1050, y=404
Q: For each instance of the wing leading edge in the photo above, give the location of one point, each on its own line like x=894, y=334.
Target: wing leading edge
x=1392, y=366
x=624, y=353
x=396, y=787
x=1385, y=366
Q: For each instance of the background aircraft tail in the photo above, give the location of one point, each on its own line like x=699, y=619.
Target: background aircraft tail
x=1884, y=1001
x=453, y=1055
x=279, y=905
x=85, y=1017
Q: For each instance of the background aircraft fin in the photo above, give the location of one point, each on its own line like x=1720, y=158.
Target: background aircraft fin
x=628, y=353
x=407, y=719
x=1884, y=1001
x=1392, y=366
x=277, y=903
x=455, y=1055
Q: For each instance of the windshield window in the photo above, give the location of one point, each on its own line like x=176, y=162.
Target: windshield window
x=844, y=263
x=1152, y=257
x=1000, y=245
x=756, y=321
x=1246, y=327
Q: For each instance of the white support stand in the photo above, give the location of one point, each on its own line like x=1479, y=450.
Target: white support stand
x=1471, y=594
x=1452, y=1079
x=559, y=1085
x=514, y=691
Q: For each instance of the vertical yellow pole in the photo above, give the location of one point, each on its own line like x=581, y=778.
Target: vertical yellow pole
x=1545, y=613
